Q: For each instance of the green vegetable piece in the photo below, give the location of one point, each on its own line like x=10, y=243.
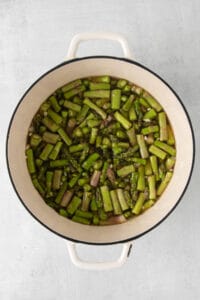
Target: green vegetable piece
x=54, y=116
x=126, y=170
x=165, y=147
x=61, y=193
x=127, y=89
x=73, y=92
x=127, y=214
x=64, y=136
x=143, y=149
x=121, y=134
x=58, y=163
x=138, y=206
x=86, y=200
x=158, y=152
x=83, y=181
x=149, y=129
x=49, y=180
x=148, y=204
x=122, y=120
x=50, y=137
x=44, y=107
x=153, y=102
x=104, y=172
x=152, y=187
x=127, y=105
x=73, y=205
x=50, y=124
x=46, y=151
x=115, y=202
x=42, y=170
x=150, y=114
x=38, y=186
x=38, y=162
x=122, y=200
x=129, y=199
x=81, y=220
x=171, y=139
x=162, y=120
x=132, y=136
x=138, y=110
x=148, y=169
x=72, y=106
x=141, y=179
x=93, y=135
x=121, y=83
x=88, y=163
x=30, y=161
x=35, y=140
x=143, y=102
x=98, y=164
x=97, y=94
x=56, y=179
x=154, y=165
x=164, y=183
x=170, y=162
x=83, y=113
x=97, y=109
x=93, y=86
x=56, y=149
x=54, y=103
x=84, y=214
x=73, y=180
x=71, y=85
x=98, y=141
x=107, y=203
x=77, y=132
x=140, y=161
x=76, y=148
x=134, y=181
x=93, y=205
x=93, y=123
x=115, y=99
x=42, y=129
x=95, y=220
x=132, y=113
x=63, y=212
x=104, y=78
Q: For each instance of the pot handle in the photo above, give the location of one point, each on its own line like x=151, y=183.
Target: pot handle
x=99, y=266
x=85, y=36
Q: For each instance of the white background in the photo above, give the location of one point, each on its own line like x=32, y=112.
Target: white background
x=34, y=37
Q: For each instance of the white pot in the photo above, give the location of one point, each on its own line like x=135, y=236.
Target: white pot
x=93, y=66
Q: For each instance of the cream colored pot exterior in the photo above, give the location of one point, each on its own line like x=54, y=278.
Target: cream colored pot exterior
x=93, y=66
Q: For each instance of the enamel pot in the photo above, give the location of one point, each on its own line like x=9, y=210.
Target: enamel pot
x=70, y=70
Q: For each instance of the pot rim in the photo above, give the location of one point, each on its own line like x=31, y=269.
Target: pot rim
x=128, y=61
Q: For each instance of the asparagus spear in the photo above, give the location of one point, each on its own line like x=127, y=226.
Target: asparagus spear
x=141, y=179
x=73, y=205
x=122, y=120
x=115, y=202
x=164, y=183
x=126, y=170
x=138, y=206
x=97, y=109
x=115, y=99
x=30, y=161
x=143, y=149
x=107, y=203
x=122, y=200
x=152, y=187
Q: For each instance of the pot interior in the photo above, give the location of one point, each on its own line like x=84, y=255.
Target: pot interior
x=48, y=83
